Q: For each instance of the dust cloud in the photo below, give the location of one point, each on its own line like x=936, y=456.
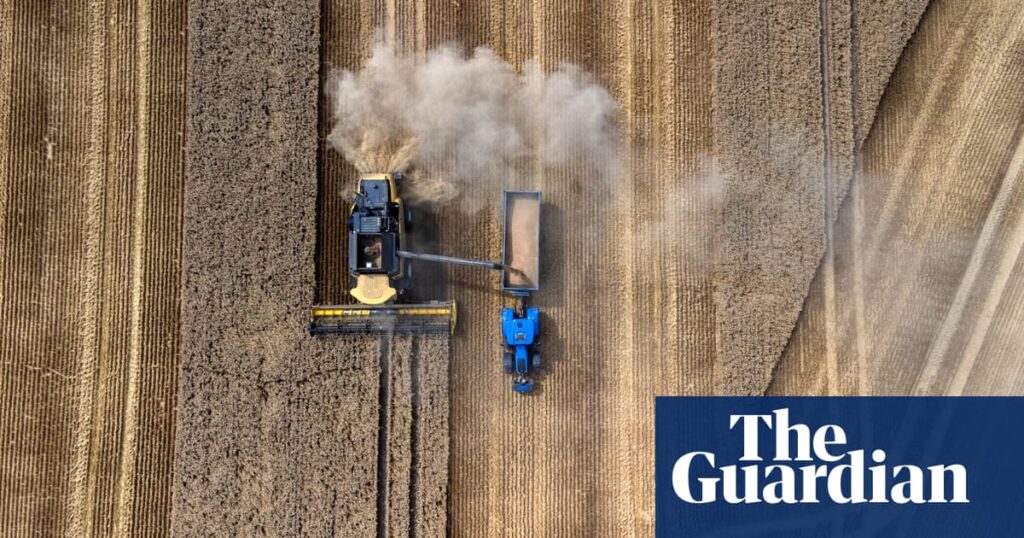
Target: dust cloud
x=451, y=119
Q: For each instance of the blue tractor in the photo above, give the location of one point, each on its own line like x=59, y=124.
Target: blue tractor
x=520, y=252
x=520, y=328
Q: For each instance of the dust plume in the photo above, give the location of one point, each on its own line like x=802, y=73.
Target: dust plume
x=452, y=119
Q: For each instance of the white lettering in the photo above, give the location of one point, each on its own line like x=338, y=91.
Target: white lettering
x=782, y=431
x=844, y=483
x=681, y=479
x=856, y=470
x=878, y=493
x=750, y=452
x=938, y=478
x=821, y=442
x=730, y=487
x=782, y=490
x=911, y=490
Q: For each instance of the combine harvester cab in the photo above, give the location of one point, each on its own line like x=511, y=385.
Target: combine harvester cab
x=520, y=325
x=376, y=232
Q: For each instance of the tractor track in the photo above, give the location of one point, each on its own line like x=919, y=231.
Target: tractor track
x=383, y=453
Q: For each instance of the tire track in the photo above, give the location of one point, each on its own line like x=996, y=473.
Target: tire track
x=79, y=519
x=384, y=408
x=6, y=69
x=827, y=267
x=150, y=502
x=125, y=488
x=993, y=373
x=414, y=438
x=944, y=66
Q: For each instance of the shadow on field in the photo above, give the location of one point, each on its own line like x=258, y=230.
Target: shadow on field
x=429, y=282
x=552, y=291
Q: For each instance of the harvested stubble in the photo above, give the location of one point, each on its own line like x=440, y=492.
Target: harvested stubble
x=91, y=134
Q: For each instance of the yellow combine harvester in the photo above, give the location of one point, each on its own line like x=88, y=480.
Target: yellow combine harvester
x=378, y=265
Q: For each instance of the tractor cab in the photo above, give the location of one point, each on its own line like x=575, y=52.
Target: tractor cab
x=520, y=329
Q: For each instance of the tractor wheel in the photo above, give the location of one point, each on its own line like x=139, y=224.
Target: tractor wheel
x=536, y=361
x=506, y=362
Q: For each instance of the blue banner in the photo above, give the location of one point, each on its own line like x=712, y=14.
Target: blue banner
x=886, y=466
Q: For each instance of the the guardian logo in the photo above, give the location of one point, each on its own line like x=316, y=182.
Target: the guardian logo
x=810, y=467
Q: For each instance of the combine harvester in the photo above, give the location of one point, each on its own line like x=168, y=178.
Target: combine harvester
x=379, y=265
